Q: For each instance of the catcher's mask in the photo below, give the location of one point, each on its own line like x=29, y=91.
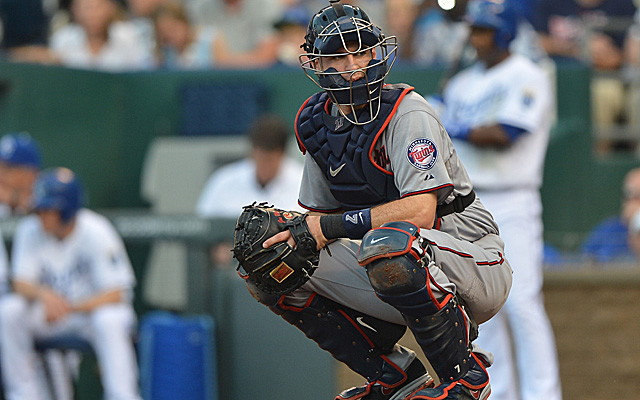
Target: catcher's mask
x=329, y=31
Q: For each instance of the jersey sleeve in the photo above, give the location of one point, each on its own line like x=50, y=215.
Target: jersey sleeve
x=419, y=150
x=112, y=268
x=526, y=102
x=24, y=261
x=315, y=193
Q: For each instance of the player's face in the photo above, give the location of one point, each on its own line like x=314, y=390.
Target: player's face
x=482, y=39
x=349, y=60
x=51, y=221
x=267, y=164
x=172, y=31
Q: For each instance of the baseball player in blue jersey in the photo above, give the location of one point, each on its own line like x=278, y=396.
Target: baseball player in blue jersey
x=498, y=112
x=408, y=243
x=71, y=274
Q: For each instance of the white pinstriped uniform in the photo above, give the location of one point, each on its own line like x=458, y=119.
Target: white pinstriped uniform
x=515, y=92
x=90, y=261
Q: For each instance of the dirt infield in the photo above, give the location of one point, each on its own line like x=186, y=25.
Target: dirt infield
x=596, y=321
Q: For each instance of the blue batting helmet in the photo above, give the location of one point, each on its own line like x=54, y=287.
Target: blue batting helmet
x=58, y=189
x=19, y=149
x=500, y=15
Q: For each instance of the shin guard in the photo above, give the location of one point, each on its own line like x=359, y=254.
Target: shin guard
x=399, y=274
x=358, y=340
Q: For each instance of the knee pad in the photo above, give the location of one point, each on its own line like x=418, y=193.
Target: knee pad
x=398, y=271
x=358, y=340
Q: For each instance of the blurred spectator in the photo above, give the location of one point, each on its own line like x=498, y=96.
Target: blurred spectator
x=70, y=275
x=591, y=31
x=632, y=70
x=24, y=30
x=100, y=38
x=439, y=36
x=20, y=163
x=617, y=238
x=180, y=44
x=247, y=29
x=290, y=32
x=400, y=21
x=141, y=17
x=267, y=175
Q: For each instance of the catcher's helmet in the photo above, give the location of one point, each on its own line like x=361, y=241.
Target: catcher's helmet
x=329, y=31
x=58, y=189
x=500, y=15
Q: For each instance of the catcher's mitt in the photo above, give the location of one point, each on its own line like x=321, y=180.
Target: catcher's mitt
x=279, y=269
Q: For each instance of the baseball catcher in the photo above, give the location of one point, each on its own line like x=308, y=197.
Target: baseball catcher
x=279, y=269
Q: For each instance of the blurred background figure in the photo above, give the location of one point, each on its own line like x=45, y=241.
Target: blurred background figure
x=179, y=43
x=70, y=275
x=141, y=17
x=632, y=70
x=498, y=113
x=266, y=175
x=592, y=31
x=400, y=22
x=20, y=163
x=290, y=31
x=246, y=27
x=617, y=238
x=99, y=37
x=438, y=37
x=24, y=30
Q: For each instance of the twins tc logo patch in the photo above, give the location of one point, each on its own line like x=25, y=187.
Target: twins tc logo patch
x=422, y=154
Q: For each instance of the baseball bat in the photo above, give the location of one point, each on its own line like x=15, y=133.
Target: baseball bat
x=455, y=65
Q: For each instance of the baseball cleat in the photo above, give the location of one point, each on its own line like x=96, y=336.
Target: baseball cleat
x=417, y=378
x=473, y=386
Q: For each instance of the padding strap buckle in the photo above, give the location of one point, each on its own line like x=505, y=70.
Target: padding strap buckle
x=458, y=205
x=390, y=240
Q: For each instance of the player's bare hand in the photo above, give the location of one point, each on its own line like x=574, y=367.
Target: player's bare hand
x=313, y=221
x=56, y=307
x=284, y=236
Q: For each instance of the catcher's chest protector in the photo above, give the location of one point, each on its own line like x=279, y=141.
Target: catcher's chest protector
x=343, y=150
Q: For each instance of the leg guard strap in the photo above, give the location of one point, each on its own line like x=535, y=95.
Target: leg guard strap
x=358, y=340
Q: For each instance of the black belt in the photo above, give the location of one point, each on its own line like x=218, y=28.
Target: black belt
x=458, y=204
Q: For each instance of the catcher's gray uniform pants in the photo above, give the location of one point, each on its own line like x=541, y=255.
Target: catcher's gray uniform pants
x=476, y=271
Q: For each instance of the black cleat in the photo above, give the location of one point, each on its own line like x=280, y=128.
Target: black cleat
x=473, y=386
x=413, y=379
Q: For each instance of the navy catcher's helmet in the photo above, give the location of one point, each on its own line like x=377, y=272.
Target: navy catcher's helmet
x=500, y=15
x=329, y=31
x=58, y=189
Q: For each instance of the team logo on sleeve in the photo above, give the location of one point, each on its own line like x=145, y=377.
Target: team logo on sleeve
x=422, y=154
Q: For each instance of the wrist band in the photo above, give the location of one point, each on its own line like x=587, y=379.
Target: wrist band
x=332, y=226
x=357, y=223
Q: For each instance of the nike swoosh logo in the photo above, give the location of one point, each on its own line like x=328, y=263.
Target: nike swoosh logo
x=336, y=171
x=361, y=322
x=376, y=240
x=372, y=91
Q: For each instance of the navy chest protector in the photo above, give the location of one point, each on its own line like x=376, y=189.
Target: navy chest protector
x=344, y=151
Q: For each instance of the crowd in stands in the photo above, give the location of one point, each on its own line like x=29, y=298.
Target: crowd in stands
x=118, y=35
x=139, y=35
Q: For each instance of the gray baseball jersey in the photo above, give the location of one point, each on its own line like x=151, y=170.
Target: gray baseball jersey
x=416, y=149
